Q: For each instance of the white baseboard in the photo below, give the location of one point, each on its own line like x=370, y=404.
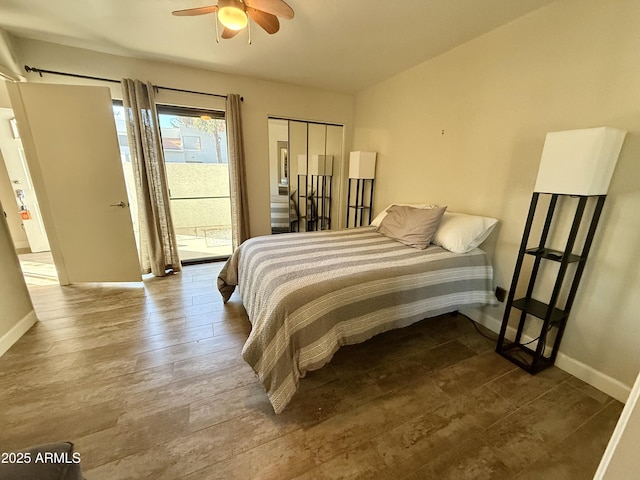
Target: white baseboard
x=478, y=316
x=19, y=329
x=612, y=387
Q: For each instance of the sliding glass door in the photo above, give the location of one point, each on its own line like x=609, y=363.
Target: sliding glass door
x=195, y=150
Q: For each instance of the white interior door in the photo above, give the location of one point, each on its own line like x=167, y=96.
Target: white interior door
x=69, y=137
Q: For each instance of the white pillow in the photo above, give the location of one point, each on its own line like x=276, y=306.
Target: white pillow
x=461, y=233
x=376, y=221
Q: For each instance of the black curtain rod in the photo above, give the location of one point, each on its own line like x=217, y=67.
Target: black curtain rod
x=306, y=121
x=40, y=71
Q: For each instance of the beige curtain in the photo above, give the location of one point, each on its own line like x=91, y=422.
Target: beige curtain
x=158, y=245
x=237, y=175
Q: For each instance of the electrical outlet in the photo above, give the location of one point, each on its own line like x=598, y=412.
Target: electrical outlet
x=501, y=294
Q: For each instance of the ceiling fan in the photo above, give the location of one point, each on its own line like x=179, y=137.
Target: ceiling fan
x=234, y=15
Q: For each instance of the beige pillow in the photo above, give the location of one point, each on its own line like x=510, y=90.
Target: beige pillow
x=376, y=221
x=412, y=226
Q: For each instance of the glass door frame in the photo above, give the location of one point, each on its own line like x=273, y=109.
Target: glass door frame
x=209, y=114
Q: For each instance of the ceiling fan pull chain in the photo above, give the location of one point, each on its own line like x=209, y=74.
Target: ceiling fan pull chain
x=249, y=30
x=217, y=35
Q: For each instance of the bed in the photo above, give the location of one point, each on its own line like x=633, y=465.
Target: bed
x=284, y=213
x=307, y=294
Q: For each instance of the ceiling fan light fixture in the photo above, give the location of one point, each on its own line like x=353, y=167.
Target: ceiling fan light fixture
x=232, y=15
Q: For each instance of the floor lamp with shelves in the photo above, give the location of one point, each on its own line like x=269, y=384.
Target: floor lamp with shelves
x=576, y=168
x=362, y=170
x=315, y=191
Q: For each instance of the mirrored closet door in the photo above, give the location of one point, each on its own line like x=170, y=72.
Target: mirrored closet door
x=305, y=160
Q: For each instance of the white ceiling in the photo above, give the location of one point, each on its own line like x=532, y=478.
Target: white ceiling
x=342, y=45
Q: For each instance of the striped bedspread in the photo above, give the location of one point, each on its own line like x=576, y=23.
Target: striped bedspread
x=307, y=294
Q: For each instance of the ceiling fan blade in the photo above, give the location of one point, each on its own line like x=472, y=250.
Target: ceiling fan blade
x=275, y=7
x=227, y=33
x=189, y=12
x=268, y=22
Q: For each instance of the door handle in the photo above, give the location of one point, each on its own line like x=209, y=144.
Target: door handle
x=121, y=204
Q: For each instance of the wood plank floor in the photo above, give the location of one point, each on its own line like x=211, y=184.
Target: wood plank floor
x=148, y=382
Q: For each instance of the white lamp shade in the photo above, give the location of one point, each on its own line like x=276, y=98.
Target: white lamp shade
x=579, y=162
x=302, y=164
x=362, y=165
x=321, y=165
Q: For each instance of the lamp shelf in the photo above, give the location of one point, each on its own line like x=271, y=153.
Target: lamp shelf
x=525, y=357
x=540, y=309
x=316, y=201
x=551, y=254
x=575, y=170
x=362, y=201
x=553, y=317
x=362, y=169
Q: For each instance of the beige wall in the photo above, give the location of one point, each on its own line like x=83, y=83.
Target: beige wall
x=4, y=95
x=466, y=130
x=9, y=67
x=16, y=310
x=261, y=98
